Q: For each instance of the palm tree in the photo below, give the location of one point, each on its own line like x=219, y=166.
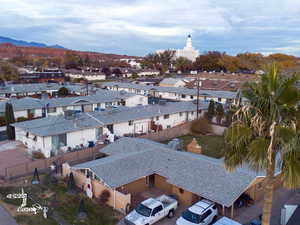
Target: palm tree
x=265, y=130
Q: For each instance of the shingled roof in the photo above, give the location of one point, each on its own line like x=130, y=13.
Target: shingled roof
x=132, y=158
x=178, y=90
x=53, y=125
x=101, y=96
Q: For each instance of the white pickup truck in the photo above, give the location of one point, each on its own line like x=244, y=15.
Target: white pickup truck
x=152, y=210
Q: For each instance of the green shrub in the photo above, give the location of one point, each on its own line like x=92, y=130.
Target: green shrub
x=21, y=119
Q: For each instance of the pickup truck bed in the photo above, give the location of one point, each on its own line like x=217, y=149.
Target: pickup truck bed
x=166, y=200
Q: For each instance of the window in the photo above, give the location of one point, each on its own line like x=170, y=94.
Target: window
x=157, y=118
x=167, y=116
x=181, y=191
x=64, y=108
x=219, y=99
x=180, y=114
x=192, y=97
x=168, y=126
x=130, y=122
x=35, y=138
x=183, y=96
x=206, y=214
x=27, y=134
x=192, y=113
x=156, y=210
x=51, y=110
x=99, y=132
x=62, y=140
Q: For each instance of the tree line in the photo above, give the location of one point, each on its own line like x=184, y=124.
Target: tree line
x=218, y=61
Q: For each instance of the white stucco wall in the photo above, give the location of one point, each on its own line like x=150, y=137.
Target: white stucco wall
x=81, y=137
x=20, y=114
x=138, y=126
x=136, y=100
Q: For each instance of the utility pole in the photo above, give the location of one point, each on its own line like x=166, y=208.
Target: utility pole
x=87, y=87
x=198, y=90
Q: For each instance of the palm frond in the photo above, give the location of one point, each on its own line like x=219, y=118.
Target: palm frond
x=257, y=153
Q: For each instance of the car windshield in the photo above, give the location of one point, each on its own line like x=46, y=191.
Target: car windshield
x=143, y=210
x=191, y=217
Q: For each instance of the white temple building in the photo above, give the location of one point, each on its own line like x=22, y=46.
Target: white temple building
x=187, y=52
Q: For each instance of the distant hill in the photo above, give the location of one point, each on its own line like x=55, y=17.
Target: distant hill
x=8, y=50
x=26, y=43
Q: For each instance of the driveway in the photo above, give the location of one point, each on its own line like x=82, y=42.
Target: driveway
x=6, y=218
x=281, y=197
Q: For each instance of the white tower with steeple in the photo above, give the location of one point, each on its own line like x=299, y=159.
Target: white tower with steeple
x=189, y=44
x=188, y=51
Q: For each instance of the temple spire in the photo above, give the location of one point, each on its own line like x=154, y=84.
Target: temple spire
x=189, y=43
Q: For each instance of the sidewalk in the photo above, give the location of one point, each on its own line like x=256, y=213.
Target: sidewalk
x=6, y=218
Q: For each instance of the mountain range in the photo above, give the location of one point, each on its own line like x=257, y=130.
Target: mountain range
x=26, y=43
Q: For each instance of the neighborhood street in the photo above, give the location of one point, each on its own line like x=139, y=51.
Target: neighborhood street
x=6, y=218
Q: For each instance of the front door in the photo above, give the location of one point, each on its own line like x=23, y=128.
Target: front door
x=110, y=127
x=151, y=181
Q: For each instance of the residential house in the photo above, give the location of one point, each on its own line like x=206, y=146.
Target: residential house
x=174, y=93
x=172, y=82
x=87, y=75
x=35, y=108
x=23, y=90
x=136, y=165
x=54, y=133
x=50, y=74
x=148, y=72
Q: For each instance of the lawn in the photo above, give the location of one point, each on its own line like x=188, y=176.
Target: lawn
x=62, y=206
x=212, y=145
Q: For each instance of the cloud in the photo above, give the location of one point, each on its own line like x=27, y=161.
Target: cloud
x=145, y=25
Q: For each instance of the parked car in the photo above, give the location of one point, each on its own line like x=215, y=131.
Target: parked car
x=152, y=210
x=226, y=221
x=203, y=212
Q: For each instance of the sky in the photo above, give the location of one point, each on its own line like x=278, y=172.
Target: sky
x=138, y=27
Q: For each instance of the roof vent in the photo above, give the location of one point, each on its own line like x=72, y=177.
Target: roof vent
x=176, y=144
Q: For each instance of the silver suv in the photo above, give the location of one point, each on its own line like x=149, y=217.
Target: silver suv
x=203, y=212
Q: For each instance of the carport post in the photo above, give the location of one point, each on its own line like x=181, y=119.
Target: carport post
x=223, y=210
x=114, y=198
x=232, y=207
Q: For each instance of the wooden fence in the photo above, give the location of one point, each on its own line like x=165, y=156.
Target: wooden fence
x=43, y=165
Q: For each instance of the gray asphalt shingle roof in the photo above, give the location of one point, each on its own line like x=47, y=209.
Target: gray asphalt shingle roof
x=38, y=87
x=179, y=90
x=170, y=81
x=53, y=125
x=132, y=158
x=101, y=96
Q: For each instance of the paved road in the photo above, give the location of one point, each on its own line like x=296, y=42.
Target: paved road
x=6, y=218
